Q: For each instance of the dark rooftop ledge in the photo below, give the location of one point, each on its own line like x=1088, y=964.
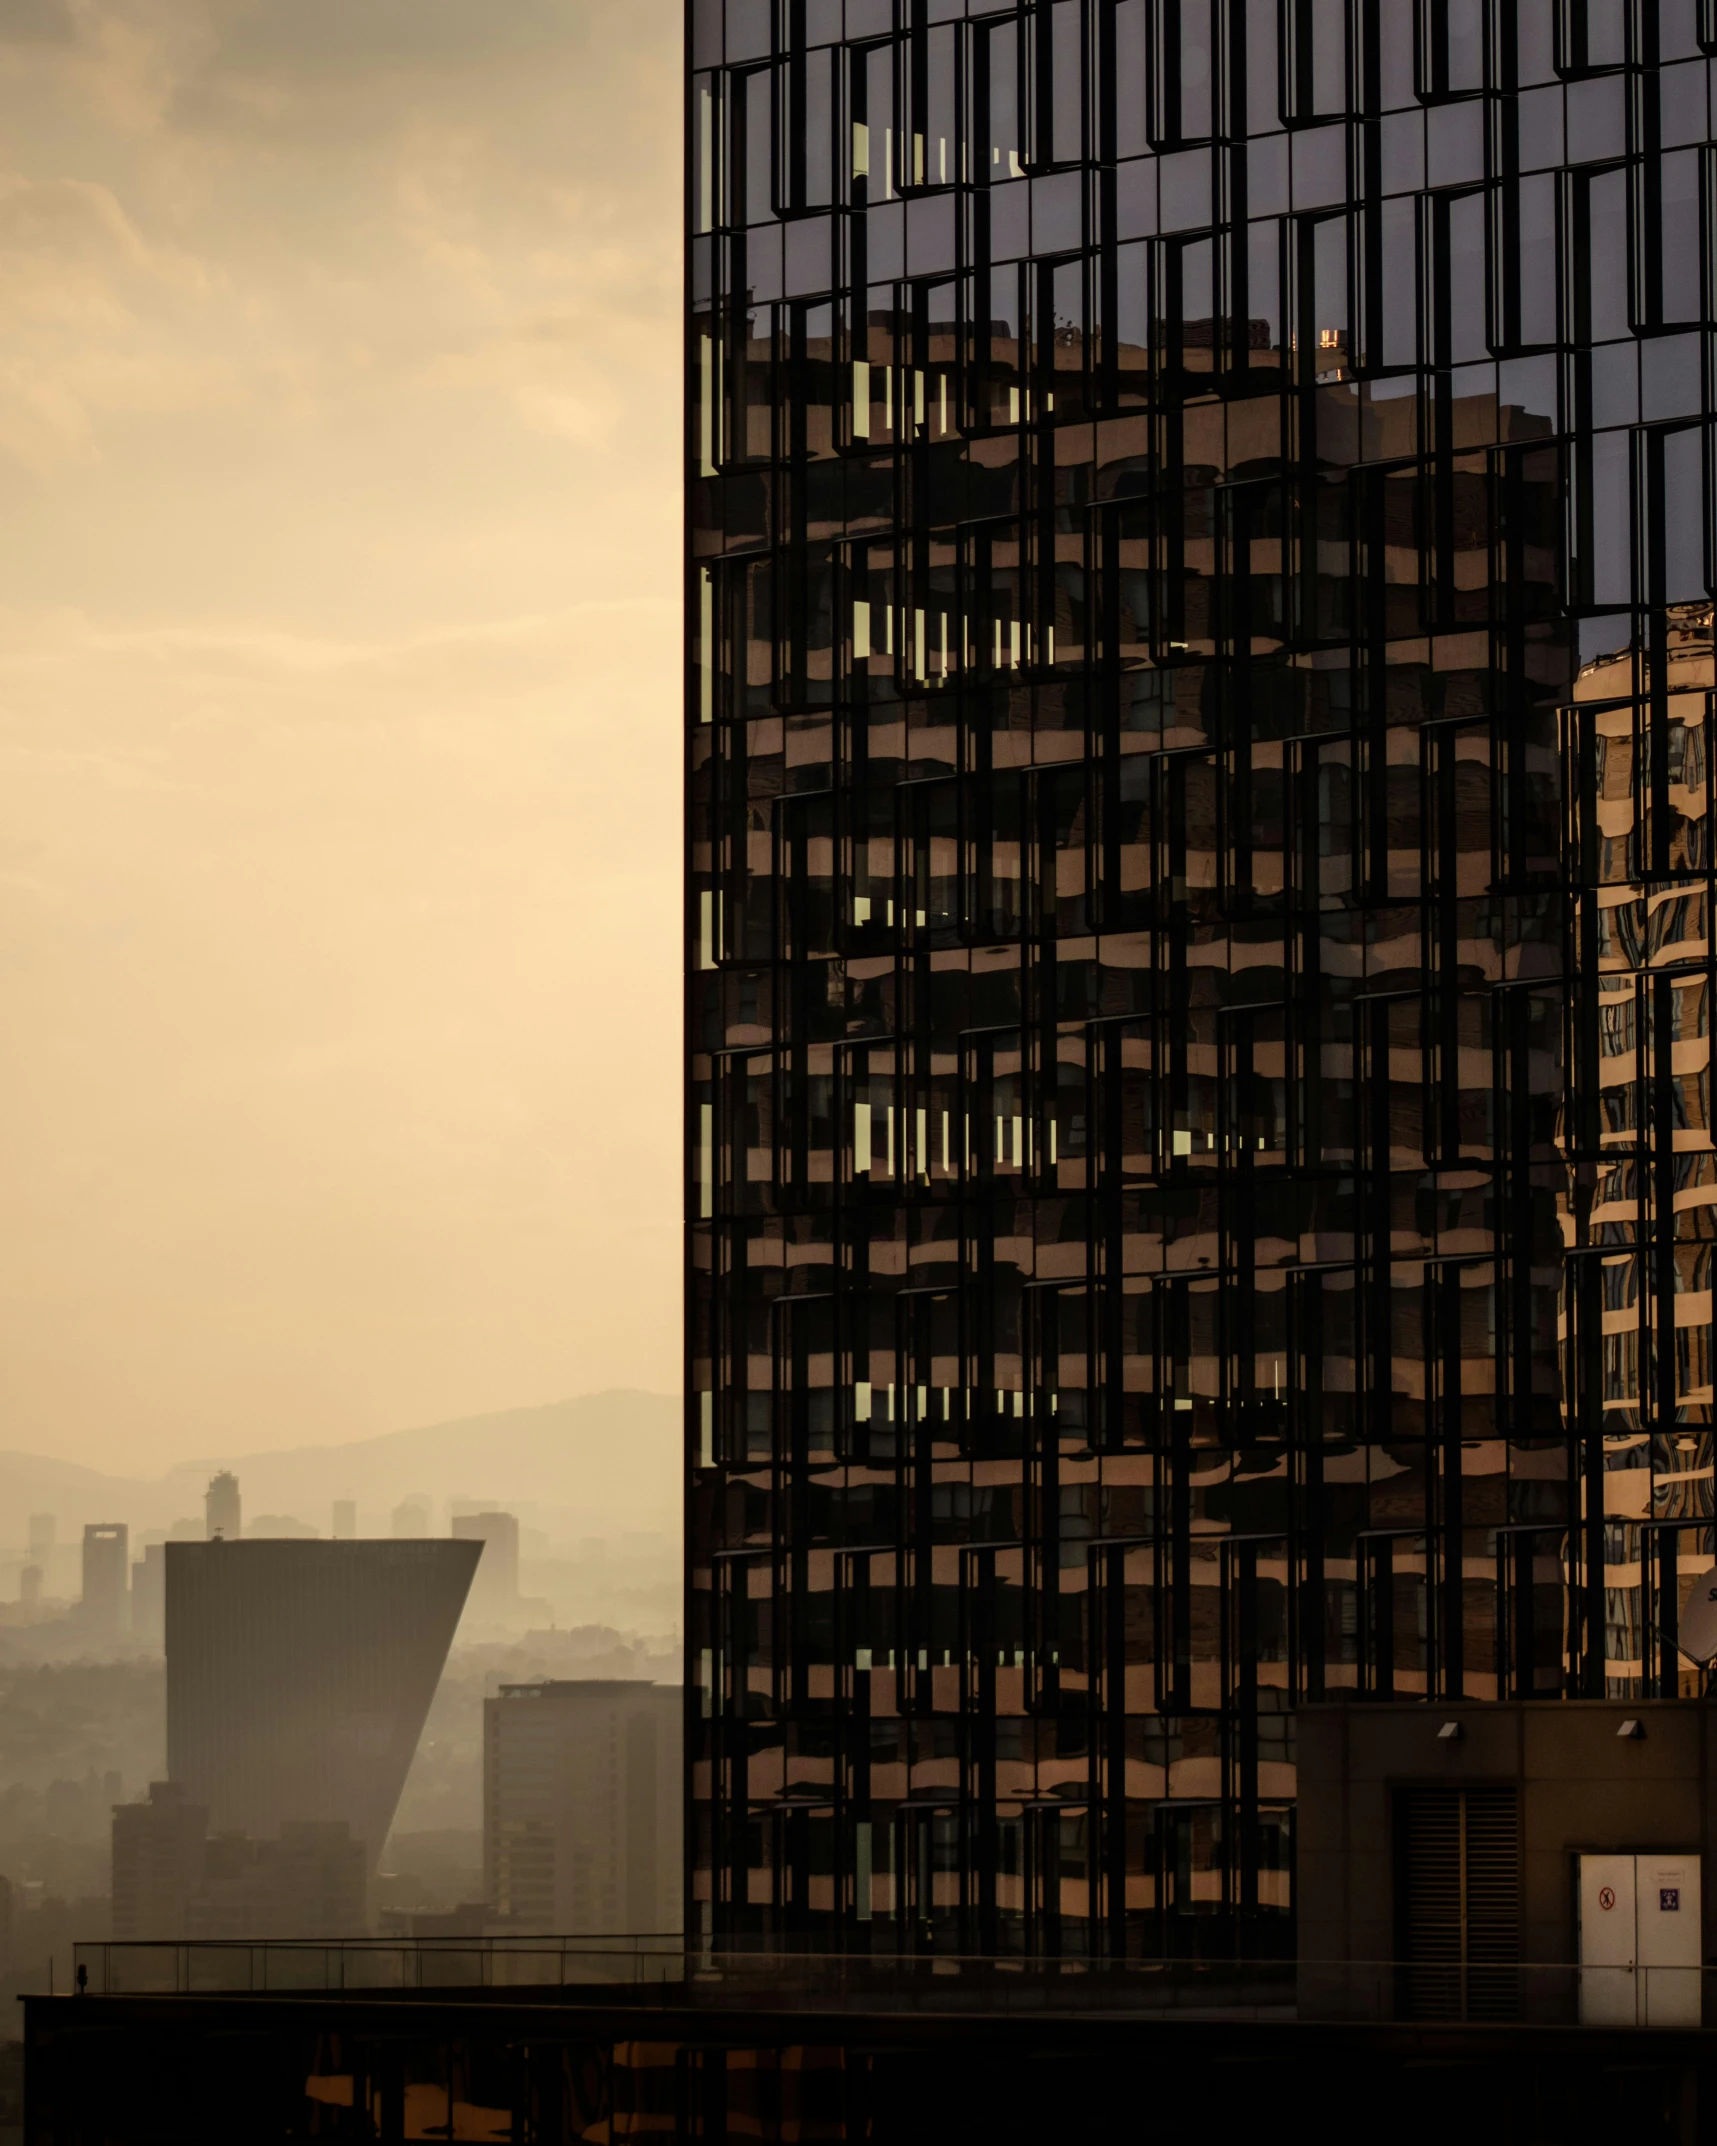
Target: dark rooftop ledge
x=670, y=2014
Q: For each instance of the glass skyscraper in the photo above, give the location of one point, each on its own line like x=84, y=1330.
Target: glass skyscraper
x=1200, y=1183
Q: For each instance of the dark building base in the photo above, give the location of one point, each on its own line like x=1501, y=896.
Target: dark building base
x=185, y=2070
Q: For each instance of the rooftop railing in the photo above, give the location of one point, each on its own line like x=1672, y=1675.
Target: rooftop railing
x=664, y=1971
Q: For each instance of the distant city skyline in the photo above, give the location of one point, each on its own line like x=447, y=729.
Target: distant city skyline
x=586, y=1491
x=581, y=1451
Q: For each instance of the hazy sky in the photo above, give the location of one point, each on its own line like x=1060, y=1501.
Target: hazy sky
x=338, y=673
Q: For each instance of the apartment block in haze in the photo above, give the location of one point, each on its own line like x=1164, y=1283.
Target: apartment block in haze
x=1199, y=1152
x=582, y=1806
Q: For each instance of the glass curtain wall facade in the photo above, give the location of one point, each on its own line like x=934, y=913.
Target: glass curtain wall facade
x=1199, y=695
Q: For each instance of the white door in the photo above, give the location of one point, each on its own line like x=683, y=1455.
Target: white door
x=1608, y=1943
x=1666, y=1895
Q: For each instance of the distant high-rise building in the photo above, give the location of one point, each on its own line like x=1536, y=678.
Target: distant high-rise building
x=496, y=1587
x=44, y=1533
x=30, y=1586
x=345, y=1526
x=106, y=1576
x=223, y=1511
x=411, y=1519
x=149, y=1594
x=581, y=1805
x=299, y=1674
x=157, y=1862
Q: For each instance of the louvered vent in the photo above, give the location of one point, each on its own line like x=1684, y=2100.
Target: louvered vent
x=1458, y=1901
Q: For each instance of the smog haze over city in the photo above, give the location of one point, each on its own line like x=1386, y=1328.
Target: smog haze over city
x=338, y=678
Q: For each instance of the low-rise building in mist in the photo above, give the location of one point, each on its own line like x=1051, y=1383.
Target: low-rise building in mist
x=313, y=1881
x=581, y=1806
x=157, y=1862
x=106, y=1577
x=411, y=1518
x=345, y=1518
x=495, y=1591
x=299, y=1675
x=173, y=1878
x=36, y=1607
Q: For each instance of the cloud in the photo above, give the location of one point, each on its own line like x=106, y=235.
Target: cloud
x=58, y=225
x=30, y=22
x=568, y=79
x=100, y=320
x=284, y=207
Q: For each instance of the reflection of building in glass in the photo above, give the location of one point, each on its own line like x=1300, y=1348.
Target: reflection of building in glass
x=581, y=1806
x=1199, y=1154
x=1640, y=1217
x=299, y=1674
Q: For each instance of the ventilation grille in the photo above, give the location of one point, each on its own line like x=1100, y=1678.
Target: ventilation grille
x=1458, y=1902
